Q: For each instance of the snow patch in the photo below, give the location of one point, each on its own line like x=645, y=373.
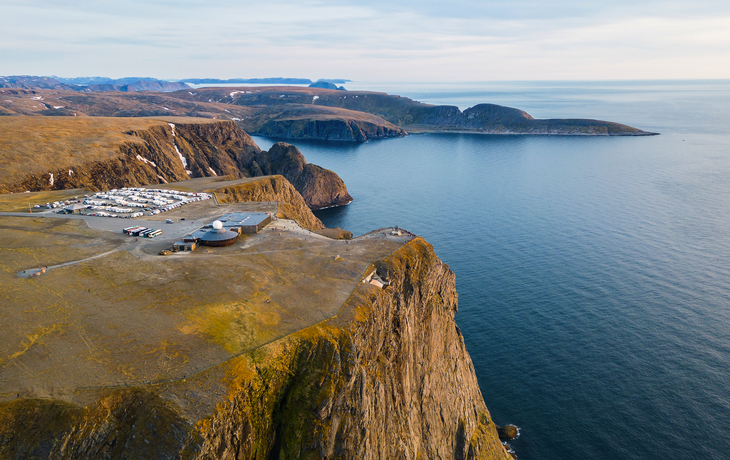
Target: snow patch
x=235, y=119
x=58, y=106
x=190, y=173
x=51, y=179
x=145, y=160
x=37, y=98
x=211, y=170
x=166, y=108
x=314, y=99
x=162, y=179
x=70, y=172
x=182, y=158
x=192, y=94
x=226, y=110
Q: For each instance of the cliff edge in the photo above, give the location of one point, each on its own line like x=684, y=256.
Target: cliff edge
x=58, y=153
x=387, y=376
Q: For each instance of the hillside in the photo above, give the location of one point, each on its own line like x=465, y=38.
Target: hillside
x=305, y=113
x=96, y=153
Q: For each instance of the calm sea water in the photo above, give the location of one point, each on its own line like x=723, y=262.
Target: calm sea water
x=593, y=273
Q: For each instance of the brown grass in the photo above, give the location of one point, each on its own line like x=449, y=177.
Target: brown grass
x=32, y=145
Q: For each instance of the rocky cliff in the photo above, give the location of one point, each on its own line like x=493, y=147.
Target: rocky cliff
x=92, y=153
x=104, y=153
x=387, y=377
x=319, y=187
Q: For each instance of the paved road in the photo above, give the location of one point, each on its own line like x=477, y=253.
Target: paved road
x=174, y=231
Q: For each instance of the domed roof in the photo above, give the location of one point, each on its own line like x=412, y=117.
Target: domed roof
x=219, y=236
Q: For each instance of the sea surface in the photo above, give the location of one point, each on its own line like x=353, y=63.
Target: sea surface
x=593, y=272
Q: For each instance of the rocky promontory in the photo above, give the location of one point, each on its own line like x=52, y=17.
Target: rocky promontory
x=259, y=363
x=319, y=187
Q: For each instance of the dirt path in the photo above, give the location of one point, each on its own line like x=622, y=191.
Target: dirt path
x=33, y=272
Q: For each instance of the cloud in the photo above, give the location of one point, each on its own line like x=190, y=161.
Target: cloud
x=457, y=40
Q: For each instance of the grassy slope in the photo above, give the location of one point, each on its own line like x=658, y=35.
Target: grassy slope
x=32, y=145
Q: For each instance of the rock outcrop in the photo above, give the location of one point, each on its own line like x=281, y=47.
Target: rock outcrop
x=319, y=187
x=387, y=377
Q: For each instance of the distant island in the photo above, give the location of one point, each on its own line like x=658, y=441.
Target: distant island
x=322, y=111
x=264, y=81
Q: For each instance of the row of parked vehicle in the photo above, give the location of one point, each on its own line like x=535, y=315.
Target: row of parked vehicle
x=142, y=231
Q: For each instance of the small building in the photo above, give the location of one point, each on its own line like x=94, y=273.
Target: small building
x=75, y=208
x=184, y=246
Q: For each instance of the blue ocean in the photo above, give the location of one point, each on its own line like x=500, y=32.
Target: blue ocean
x=593, y=272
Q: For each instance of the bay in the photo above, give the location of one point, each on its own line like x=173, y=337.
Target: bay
x=593, y=272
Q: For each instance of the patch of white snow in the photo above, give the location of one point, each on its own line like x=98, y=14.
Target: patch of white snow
x=235, y=119
x=51, y=179
x=70, y=172
x=145, y=160
x=211, y=170
x=58, y=106
x=182, y=158
x=162, y=179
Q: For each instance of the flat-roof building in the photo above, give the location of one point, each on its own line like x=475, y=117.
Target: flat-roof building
x=248, y=222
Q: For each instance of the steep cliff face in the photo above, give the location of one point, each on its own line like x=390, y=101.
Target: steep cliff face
x=99, y=154
x=143, y=152
x=268, y=189
x=388, y=377
x=300, y=121
x=319, y=187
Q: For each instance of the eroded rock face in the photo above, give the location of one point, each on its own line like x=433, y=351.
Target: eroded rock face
x=163, y=152
x=388, y=377
x=334, y=129
x=319, y=187
x=205, y=149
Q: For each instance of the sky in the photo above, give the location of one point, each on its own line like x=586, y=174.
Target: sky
x=378, y=40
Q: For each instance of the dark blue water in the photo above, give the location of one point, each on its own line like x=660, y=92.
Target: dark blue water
x=593, y=273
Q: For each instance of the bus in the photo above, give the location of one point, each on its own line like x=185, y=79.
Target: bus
x=154, y=233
